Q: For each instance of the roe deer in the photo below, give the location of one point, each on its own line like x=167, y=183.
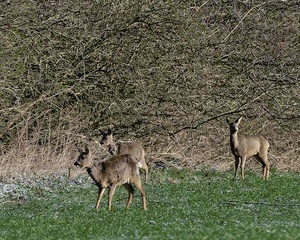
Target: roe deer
x=117, y=170
x=135, y=149
x=247, y=146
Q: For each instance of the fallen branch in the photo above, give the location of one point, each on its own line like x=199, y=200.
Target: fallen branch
x=225, y=39
x=233, y=202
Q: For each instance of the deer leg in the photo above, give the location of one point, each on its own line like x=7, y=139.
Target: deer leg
x=237, y=162
x=243, y=167
x=267, y=167
x=264, y=166
x=264, y=171
x=100, y=195
x=263, y=159
x=111, y=192
x=267, y=170
x=145, y=167
x=130, y=193
x=139, y=186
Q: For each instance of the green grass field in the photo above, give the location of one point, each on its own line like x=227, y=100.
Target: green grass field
x=181, y=205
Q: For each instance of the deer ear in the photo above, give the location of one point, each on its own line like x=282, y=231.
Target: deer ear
x=78, y=148
x=86, y=149
x=227, y=120
x=109, y=131
x=238, y=120
x=102, y=132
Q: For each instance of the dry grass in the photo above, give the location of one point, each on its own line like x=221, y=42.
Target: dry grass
x=208, y=150
x=205, y=148
x=33, y=162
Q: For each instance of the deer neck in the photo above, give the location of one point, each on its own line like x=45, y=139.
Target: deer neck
x=94, y=173
x=113, y=148
x=234, y=142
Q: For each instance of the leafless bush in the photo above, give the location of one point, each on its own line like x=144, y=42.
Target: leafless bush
x=164, y=73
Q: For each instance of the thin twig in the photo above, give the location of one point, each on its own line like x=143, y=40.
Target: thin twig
x=198, y=8
x=236, y=26
x=208, y=120
x=259, y=203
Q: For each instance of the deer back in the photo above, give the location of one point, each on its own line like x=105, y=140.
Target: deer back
x=250, y=145
x=135, y=149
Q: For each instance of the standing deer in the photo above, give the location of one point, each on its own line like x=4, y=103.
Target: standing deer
x=117, y=170
x=135, y=149
x=247, y=146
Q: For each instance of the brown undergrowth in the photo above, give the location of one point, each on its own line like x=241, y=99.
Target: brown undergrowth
x=164, y=73
x=194, y=151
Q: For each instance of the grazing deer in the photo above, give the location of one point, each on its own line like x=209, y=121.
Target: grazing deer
x=135, y=149
x=247, y=146
x=117, y=170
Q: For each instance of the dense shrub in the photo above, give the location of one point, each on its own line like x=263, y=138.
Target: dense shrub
x=166, y=73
